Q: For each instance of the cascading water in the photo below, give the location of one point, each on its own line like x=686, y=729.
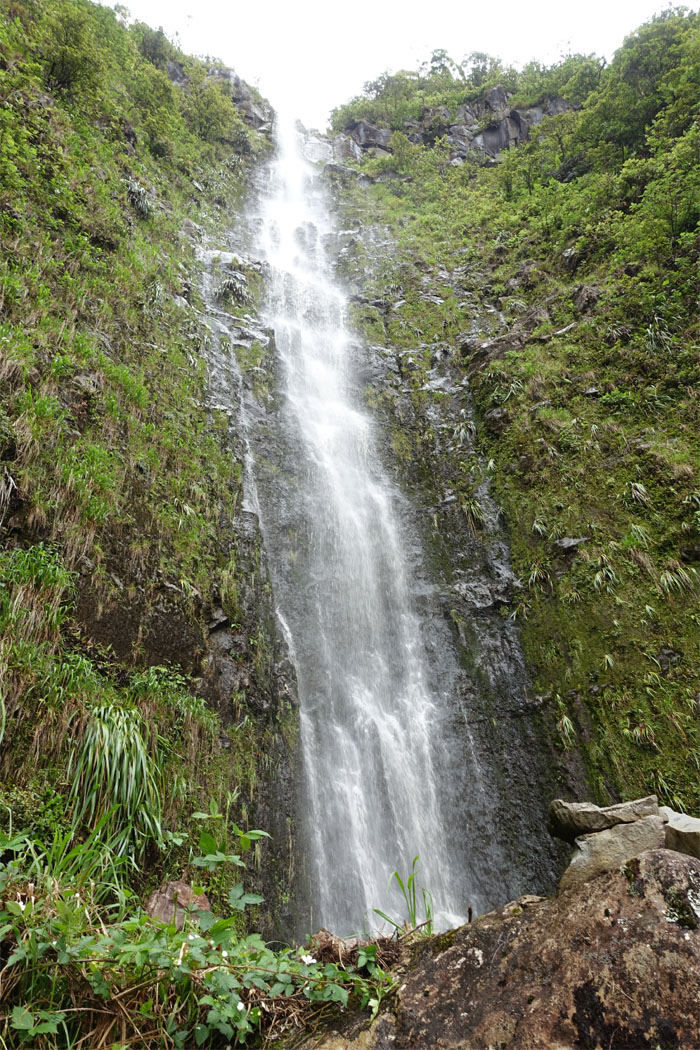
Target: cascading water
x=416, y=727
x=375, y=738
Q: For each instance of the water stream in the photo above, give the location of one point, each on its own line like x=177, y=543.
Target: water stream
x=407, y=751
x=374, y=734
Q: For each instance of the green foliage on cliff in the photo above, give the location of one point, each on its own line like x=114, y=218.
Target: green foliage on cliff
x=118, y=489
x=563, y=280
x=118, y=545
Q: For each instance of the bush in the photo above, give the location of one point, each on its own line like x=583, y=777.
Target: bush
x=71, y=59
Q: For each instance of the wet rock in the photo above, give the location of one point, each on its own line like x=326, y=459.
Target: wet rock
x=496, y=420
x=612, y=963
x=607, y=850
x=174, y=902
x=346, y=174
x=192, y=230
x=571, y=258
x=89, y=383
x=345, y=148
x=568, y=820
x=253, y=114
x=682, y=832
x=318, y=149
x=585, y=298
x=217, y=619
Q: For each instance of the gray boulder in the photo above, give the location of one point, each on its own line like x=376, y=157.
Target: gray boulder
x=368, y=136
x=568, y=820
x=608, y=850
x=682, y=832
x=598, y=967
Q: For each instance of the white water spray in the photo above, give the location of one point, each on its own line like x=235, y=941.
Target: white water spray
x=372, y=732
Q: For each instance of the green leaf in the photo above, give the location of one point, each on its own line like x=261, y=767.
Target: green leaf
x=22, y=1019
x=201, y=1034
x=207, y=843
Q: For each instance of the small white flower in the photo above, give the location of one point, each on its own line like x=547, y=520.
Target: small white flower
x=241, y=1006
x=308, y=960
x=190, y=936
x=225, y=954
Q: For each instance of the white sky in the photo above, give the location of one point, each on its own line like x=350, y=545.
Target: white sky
x=312, y=55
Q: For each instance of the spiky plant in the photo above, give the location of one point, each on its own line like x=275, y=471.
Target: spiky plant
x=115, y=780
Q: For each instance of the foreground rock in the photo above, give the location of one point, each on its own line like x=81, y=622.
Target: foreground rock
x=568, y=820
x=614, y=962
x=607, y=850
x=682, y=832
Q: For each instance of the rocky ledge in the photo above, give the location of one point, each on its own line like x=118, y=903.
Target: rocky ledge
x=612, y=961
x=481, y=130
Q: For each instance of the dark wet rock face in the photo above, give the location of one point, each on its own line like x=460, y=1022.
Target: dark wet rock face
x=465, y=591
x=612, y=963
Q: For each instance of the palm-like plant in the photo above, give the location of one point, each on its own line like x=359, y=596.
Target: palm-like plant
x=115, y=780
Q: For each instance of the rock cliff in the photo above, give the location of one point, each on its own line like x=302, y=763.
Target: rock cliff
x=482, y=129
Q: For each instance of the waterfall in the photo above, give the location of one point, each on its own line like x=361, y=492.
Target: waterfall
x=374, y=734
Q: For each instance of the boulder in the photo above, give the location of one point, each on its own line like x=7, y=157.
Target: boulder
x=682, y=832
x=368, y=136
x=568, y=544
x=174, y=901
x=609, y=849
x=615, y=963
x=568, y=820
x=496, y=99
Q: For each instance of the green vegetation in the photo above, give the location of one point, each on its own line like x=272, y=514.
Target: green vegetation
x=85, y=965
x=563, y=281
x=409, y=892
x=118, y=490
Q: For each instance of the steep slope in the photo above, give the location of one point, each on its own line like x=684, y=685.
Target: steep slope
x=551, y=290
x=139, y=667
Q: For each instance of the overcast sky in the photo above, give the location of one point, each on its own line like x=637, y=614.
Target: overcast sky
x=312, y=55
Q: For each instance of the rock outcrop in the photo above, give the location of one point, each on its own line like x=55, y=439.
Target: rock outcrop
x=174, y=901
x=606, y=837
x=609, y=849
x=613, y=962
x=568, y=820
x=482, y=129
